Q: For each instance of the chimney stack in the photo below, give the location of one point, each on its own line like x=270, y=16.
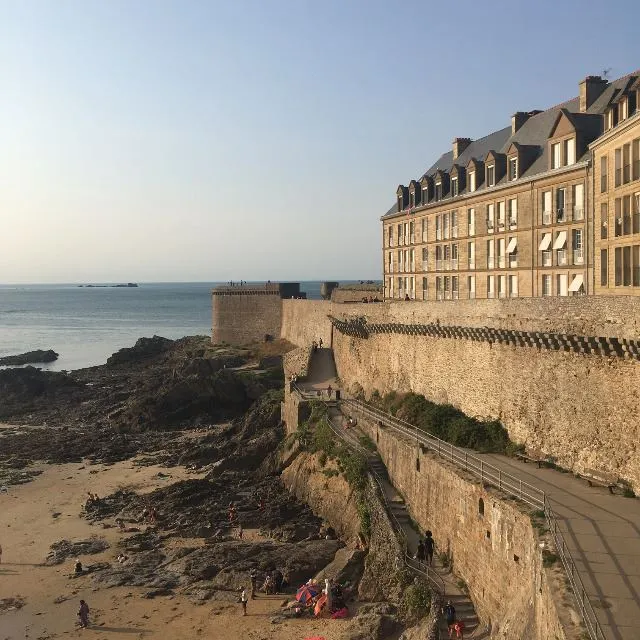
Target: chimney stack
x=590, y=89
x=459, y=145
x=517, y=120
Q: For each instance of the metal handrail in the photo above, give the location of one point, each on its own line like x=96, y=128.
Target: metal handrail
x=431, y=575
x=489, y=474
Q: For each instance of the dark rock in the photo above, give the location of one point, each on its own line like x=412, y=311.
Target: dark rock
x=144, y=348
x=64, y=549
x=30, y=357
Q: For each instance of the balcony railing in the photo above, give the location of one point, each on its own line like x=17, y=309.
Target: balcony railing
x=547, y=259
x=439, y=295
x=578, y=256
x=454, y=264
x=412, y=239
x=578, y=214
x=501, y=262
x=561, y=257
x=513, y=223
x=447, y=295
x=560, y=215
x=490, y=262
x=438, y=234
x=489, y=226
x=438, y=265
x=454, y=294
x=501, y=224
x=454, y=232
x=446, y=264
x=546, y=217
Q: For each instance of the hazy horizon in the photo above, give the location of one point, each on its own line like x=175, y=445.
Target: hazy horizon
x=208, y=141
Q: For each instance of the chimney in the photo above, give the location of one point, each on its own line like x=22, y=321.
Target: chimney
x=459, y=145
x=517, y=120
x=590, y=89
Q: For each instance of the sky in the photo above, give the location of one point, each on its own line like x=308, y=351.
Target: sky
x=153, y=140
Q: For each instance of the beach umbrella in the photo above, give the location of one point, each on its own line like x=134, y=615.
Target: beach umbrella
x=306, y=593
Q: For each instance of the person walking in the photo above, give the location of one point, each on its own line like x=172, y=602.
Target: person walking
x=329, y=391
x=253, y=574
x=83, y=614
x=450, y=615
x=420, y=553
x=429, y=545
x=243, y=601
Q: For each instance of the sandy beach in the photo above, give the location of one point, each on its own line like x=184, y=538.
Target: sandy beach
x=36, y=514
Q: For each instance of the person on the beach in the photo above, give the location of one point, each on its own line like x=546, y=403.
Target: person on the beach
x=450, y=615
x=253, y=574
x=83, y=614
x=78, y=567
x=243, y=601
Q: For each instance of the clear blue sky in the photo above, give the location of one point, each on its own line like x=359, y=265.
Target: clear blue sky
x=255, y=139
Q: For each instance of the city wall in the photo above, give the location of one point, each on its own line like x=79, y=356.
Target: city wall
x=561, y=374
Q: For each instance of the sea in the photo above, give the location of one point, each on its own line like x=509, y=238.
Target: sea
x=85, y=325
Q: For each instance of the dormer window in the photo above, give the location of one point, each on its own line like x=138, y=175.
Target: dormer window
x=412, y=199
x=425, y=195
x=454, y=187
x=611, y=118
x=472, y=181
x=556, y=155
x=400, y=203
x=491, y=175
x=570, y=151
x=623, y=109
x=513, y=168
x=438, y=196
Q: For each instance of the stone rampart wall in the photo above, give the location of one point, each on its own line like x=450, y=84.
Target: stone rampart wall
x=535, y=364
x=496, y=552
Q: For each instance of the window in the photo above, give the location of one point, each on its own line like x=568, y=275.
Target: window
x=618, y=218
x=471, y=254
x=636, y=213
x=546, y=285
x=471, y=222
x=412, y=199
x=626, y=215
x=406, y=260
x=454, y=224
x=490, y=260
x=454, y=256
x=454, y=287
x=491, y=293
x=412, y=237
x=604, y=267
x=635, y=156
x=472, y=181
x=609, y=119
x=438, y=229
x=512, y=252
x=556, y=156
x=578, y=202
x=445, y=226
x=604, y=220
x=502, y=286
x=425, y=195
x=471, y=287
x=618, y=167
x=491, y=175
x=438, y=258
x=618, y=266
x=578, y=249
x=454, y=187
x=400, y=261
x=424, y=289
x=447, y=289
x=447, y=255
x=559, y=246
x=400, y=238
x=513, y=213
x=513, y=168
x=390, y=237
x=570, y=151
x=636, y=265
x=438, y=191
x=626, y=266
x=490, y=218
x=406, y=233
x=425, y=259
x=604, y=178
x=413, y=259
x=513, y=286
x=438, y=288
x=560, y=200
x=501, y=253
x=546, y=207
x=390, y=268
x=501, y=216
x=626, y=163
x=623, y=109
x=562, y=285
x=425, y=229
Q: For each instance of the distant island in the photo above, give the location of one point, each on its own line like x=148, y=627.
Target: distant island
x=109, y=286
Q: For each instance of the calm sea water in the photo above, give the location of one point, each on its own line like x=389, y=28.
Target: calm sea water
x=85, y=326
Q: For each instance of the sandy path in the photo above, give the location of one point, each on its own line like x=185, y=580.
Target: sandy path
x=27, y=529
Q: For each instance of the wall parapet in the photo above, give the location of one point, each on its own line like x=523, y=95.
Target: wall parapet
x=584, y=345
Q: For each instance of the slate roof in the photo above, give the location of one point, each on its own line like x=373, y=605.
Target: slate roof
x=535, y=133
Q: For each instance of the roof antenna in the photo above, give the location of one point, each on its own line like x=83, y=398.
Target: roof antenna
x=606, y=73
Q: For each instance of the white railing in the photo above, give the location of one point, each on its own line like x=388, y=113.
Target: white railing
x=546, y=217
x=454, y=263
x=561, y=257
x=578, y=213
x=547, y=258
x=578, y=256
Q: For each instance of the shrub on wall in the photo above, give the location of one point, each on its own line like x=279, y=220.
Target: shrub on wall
x=446, y=422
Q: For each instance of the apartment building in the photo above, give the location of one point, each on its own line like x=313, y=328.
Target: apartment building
x=511, y=214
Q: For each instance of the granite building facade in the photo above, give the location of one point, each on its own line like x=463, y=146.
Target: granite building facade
x=549, y=206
